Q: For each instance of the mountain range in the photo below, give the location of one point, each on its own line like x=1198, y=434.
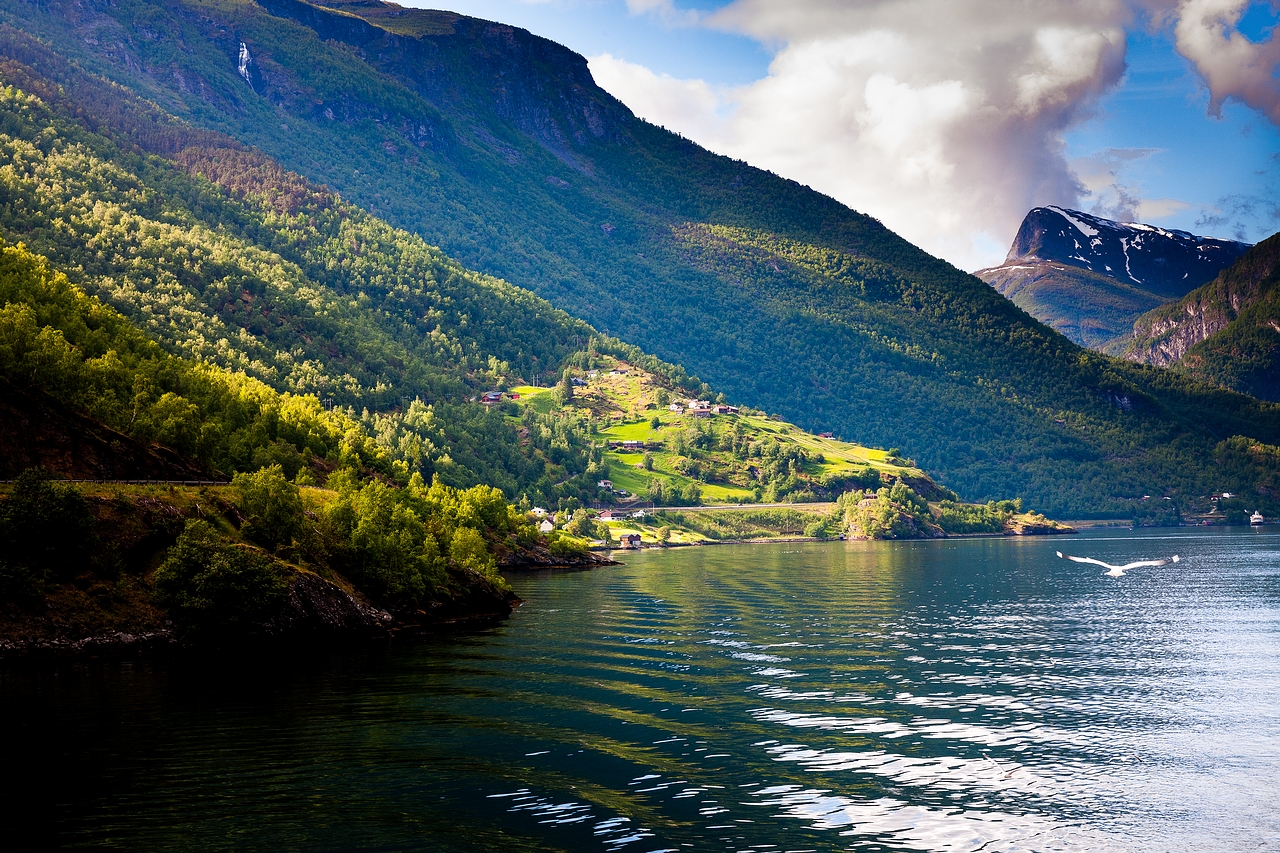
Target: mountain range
x=1091, y=278
x=261, y=187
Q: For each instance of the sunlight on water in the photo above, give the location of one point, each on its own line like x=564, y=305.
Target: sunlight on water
x=952, y=696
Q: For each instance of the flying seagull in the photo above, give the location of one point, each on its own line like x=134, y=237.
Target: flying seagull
x=1118, y=571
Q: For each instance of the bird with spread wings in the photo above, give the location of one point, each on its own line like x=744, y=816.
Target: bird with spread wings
x=1118, y=571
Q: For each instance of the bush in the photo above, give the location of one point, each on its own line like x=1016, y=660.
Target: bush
x=271, y=505
x=565, y=546
x=46, y=531
x=209, y=584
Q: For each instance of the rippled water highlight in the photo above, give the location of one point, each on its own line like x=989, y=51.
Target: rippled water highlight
x=951, y=696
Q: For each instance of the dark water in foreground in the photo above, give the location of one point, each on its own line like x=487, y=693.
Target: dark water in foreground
x=959, y=695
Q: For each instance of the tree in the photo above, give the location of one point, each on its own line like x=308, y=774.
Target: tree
x=657, y=491
x=209, y=584
x=655, y=423
x=46, y=530
x=581, y=524
x=271, y=505
x=468, y=551
x=647, y=462
x=664, y=534
x=564, y=389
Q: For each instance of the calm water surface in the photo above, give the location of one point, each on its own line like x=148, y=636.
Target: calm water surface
x=956, y=695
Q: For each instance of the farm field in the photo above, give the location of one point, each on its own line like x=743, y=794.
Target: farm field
x=654, y=446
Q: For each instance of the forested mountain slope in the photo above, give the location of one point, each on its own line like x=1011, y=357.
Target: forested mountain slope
x=497, y=146
x=1091, y=278
x=1227, y=331
x=225, y=259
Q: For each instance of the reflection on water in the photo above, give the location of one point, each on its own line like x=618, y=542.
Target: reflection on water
x=956, y=695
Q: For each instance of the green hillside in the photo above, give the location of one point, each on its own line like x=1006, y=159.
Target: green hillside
x=1094, y=310
x=498, y=147
x=1226, y=332
x=673, y=450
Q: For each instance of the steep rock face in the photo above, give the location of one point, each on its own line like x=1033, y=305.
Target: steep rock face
x=316, y=606
x=1227, y=331
x=542, y=88
x=1090, y=277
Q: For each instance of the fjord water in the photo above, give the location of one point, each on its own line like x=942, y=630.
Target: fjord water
x=954, y=695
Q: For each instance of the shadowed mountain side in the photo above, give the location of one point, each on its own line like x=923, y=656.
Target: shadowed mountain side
x=38, y=431
x=1226, y=332
x=1091, y=309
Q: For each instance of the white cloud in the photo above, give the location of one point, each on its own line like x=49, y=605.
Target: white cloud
x=664, y=10
x=1232, y=66
x=943, y=118
x=1109, y=191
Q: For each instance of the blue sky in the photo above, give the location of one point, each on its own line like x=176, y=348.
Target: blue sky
x=1138, y=135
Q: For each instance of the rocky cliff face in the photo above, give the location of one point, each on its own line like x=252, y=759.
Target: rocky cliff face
x=542, y=88
x=1227, y=331
x=1090, y=277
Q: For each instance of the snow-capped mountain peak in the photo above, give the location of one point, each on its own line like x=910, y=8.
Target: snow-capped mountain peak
x=1154, y=258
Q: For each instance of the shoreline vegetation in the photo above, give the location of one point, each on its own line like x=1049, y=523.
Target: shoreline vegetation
x=91, y=568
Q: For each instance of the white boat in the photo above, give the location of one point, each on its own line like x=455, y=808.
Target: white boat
x=1256, y=518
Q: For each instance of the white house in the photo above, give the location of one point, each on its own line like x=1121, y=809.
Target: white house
x=538, y=512
x=605, y=484
x=546, y=526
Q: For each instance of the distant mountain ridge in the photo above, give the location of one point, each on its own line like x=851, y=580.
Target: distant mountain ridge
x=1156, y=259
x=1090, y=277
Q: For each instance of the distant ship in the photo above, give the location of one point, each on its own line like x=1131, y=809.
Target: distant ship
x=1256, y=518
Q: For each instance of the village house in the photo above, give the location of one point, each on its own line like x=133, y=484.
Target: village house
x=492, y=397
x=700, y=413
x=677, y=408
x=630, y=541
x=610, y=515
x=546, y=526
x=826, y=435
x=605, y=484
x=538, y=512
